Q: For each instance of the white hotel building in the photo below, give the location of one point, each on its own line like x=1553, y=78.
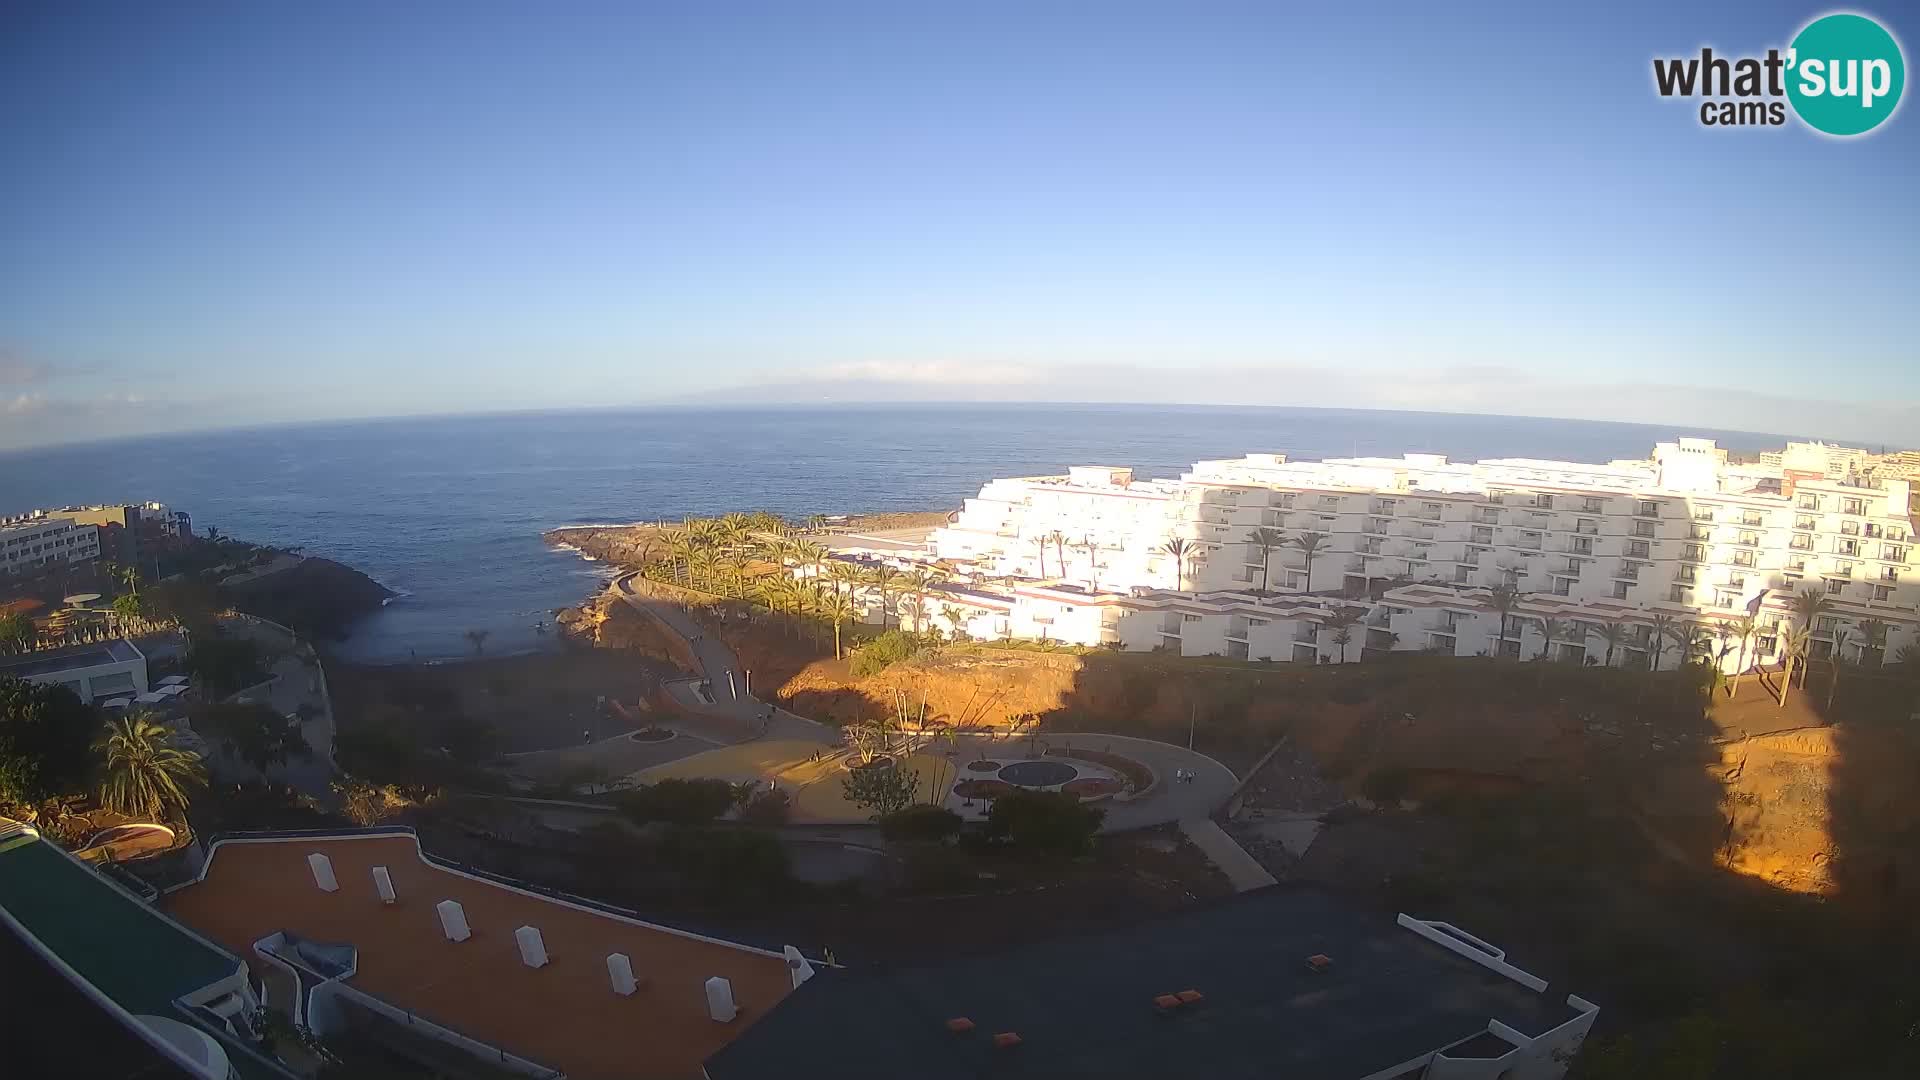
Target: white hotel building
x=31, y=544
x=1416, y=542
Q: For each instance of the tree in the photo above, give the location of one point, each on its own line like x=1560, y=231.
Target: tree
x=1613, y=632
x=1048, y=823
x=1179, y=549
x=921, y=823
x=838, y=610
x=1743, y=628
x=1873, y=642
x=1091, y=545
x=1504, y=597
x=224, y=663
x=885, y=790
x=1343, y=621
x=918, y=582
x=1550, y=631
x=1309, y=543
x=254, y=733
x=1794, y=646
x=478, y=639
x=1661, y=625
x=16, y=630
x=956, y=617
x=882, y=578
x=46, y=736
x=1040, y=543
x=143, y=776
x=680, y=801
x=887, y=648
x=1266, y=539
x=1059, y=550
x=1809, y=604
x=1840, y=639
x=129, y=606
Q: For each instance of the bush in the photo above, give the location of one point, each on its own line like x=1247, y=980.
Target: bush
x=725, y=865
x=223, y=664
x=885, y=650
x=46, y=740
x=770, y=807
x=923, y=824
x=681, y=802
x=1045, y=822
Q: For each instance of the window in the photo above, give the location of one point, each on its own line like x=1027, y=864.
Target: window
x=1749, y=539
x=1767, y=644
x=1800, y=543
x=1638, y=549
x=1798, y=565
x=1847, y=547
x=1893, y=553
x=1619, y=590
x=1804, y=521
x=1545, y=503
x=1809, y=502
x=1587, y=526
x=1680, y=594
x=1643, y=528
x=1853, y=506
x=1648, y=508
x=1724, y=598
x=1592, y=506
x=1693, y=553
x=1753, y=518
x=1883, y=592
x=1834, y=588
x=1697, y=532
x=1461, y=574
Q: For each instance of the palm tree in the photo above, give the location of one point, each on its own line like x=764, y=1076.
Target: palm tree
x=1686, y=637
x=1266, y=539
x=143, y=775
x=1794, y=646
x=478, y=638
x=1091, y=545
x=1504, y=598
x=811, y=554
x=882, y=577
x=1743, y=628
x=918, y=582
x=1343, y=621
x=1840, y=638
x=680, y=547
x=1059, y=549
x=702, y=566
x=1873, y=642
x=816, y=523
x=1662, y=628
x=1613, y=632
x=1178, y=548
x=1040, y=542
x=956, y=617
x=1551, y=629
x=1809, y=604
x=845, y=575
x=1309, y=542
x=838, y=609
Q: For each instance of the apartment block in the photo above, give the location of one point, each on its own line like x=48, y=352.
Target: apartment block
x=34, y=544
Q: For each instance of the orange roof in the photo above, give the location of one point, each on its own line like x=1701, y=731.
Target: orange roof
x=564, y=1015
x=20, y=607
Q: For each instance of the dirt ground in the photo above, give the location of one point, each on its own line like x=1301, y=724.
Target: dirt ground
x=533, y=702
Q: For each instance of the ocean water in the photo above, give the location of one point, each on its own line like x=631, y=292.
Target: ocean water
x=449, y=511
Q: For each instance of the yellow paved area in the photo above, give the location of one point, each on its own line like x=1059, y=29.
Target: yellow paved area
x=814, y=785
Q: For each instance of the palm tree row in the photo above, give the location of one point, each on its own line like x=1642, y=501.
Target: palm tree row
x=719, y=556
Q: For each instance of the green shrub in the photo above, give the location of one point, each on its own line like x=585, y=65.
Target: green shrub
x=681, y=802
x=885, y=650
x=923, y=824
x=727, y=865
x=769, y=807
x=1049, y=823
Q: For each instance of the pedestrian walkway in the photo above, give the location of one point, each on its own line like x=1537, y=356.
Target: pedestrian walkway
x=1241, y=869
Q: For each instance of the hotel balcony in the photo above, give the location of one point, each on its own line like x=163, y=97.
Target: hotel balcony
x=1309, y=635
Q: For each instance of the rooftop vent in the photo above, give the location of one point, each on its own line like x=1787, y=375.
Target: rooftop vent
x=383, y=884
x=1190, y=997
x=720, y=1004
x=322, y=868
x=620, y=974
x=533, y=948
x=1319, y=962
x=453, y=920
x=1006, y=1039
x=960, y=1025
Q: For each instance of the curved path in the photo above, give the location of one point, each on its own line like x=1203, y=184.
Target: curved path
x=723, y=675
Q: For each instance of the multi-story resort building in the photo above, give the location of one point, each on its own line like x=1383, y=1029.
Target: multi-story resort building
x=1420, y=553
x=36, y=542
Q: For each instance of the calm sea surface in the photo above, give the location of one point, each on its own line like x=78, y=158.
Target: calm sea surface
x=448, y=512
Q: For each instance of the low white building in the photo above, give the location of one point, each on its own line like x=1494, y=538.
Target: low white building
x=95, y=672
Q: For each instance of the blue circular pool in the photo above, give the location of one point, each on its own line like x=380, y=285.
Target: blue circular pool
x=1038, y=773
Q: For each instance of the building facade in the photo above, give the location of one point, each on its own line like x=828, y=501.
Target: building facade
x=37, y=543
x=1264, y=558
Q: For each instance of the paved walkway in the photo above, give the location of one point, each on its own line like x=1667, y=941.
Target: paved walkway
x=725, y=678
x=1241, y=869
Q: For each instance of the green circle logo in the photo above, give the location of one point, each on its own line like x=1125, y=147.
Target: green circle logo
x=1845, y=74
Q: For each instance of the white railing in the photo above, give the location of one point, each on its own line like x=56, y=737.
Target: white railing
x=322, y=1005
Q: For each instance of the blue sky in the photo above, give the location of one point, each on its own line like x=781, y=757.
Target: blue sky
x=227, y=214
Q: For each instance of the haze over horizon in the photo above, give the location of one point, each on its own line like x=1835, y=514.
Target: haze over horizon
x=223, y=215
